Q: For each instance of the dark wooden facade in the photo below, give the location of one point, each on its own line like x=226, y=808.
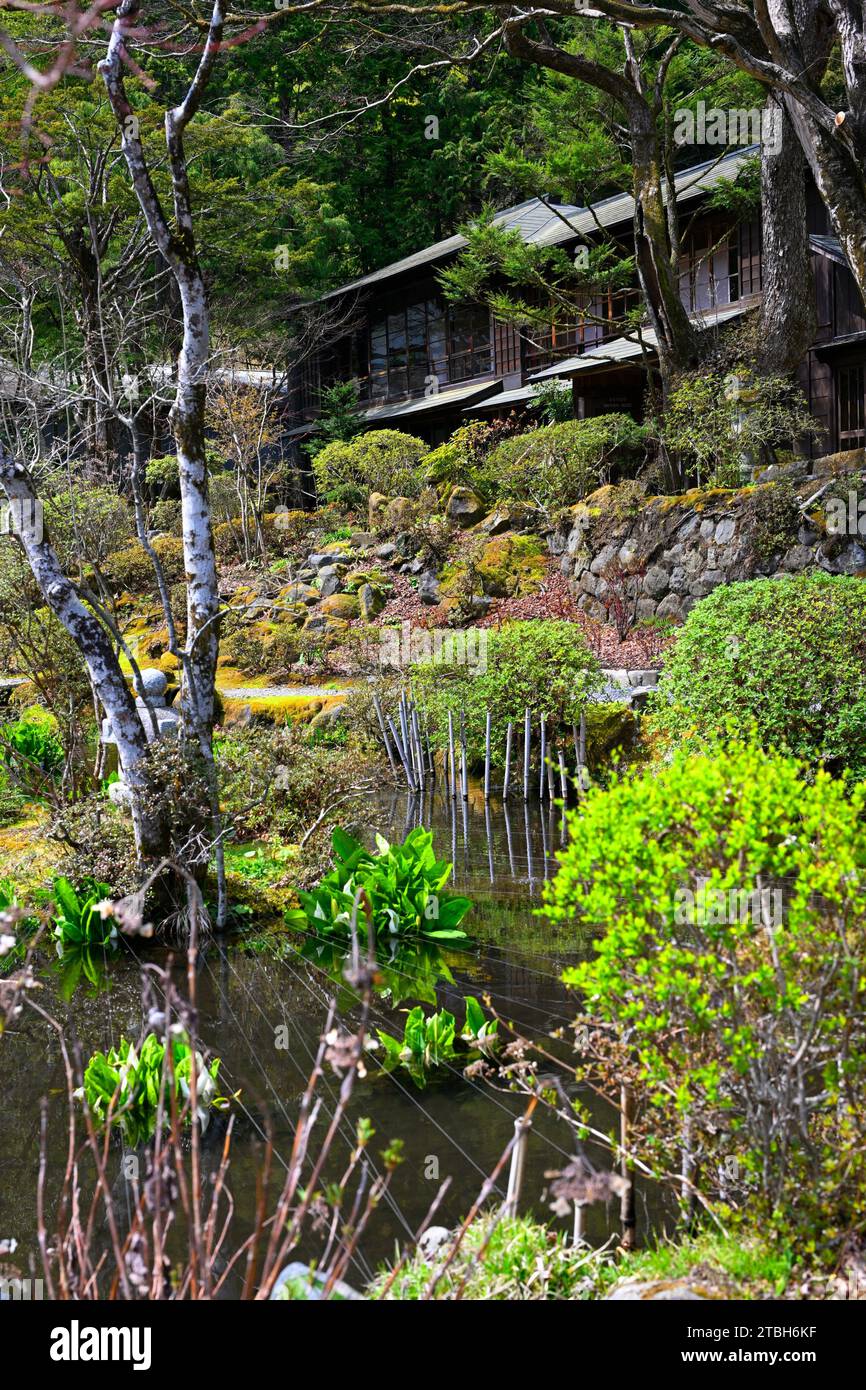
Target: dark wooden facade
x=426, y=366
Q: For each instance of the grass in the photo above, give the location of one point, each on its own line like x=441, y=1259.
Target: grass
x=740, y=1264
x=524, y=1261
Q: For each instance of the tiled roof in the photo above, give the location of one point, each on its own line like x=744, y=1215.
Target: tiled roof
x=549, y=224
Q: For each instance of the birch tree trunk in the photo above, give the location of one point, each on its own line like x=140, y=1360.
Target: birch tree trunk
x=176, y=244
x=92, y=640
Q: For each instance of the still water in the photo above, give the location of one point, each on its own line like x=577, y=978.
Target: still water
x=248, y=1001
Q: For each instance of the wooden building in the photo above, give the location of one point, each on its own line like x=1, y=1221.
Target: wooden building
x=427, y=366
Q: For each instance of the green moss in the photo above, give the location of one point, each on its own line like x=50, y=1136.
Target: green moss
x=277, y=709
x=609, y=726
x=506, y=567
x=511, y=566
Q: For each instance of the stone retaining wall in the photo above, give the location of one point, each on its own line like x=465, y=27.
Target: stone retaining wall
x=676, y=550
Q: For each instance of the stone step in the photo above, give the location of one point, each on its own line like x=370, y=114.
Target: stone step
x=630, y=679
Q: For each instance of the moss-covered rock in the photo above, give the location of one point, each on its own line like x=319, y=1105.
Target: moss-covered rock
x=464, y=507
x=511, y=566
x=355, y=580
x=372, y=601
x=609, y=726
x=345, y=606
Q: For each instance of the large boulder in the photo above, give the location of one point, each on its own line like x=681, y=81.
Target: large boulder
x=343, y=606
x=464, y=507
x=371, y=601
x=376, y=510
x=399, y=514
x=511, y=566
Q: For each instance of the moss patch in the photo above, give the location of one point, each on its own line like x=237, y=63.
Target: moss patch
x=276, y=709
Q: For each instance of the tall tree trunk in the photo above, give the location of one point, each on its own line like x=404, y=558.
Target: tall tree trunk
x=92, y=641
x=176, y=243
x=788, y=305
x=678, y=346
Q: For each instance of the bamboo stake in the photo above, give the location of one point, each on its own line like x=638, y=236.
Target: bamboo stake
x=453, y=783
x=542, y=769
x=507, y=818
x=487, y=757
x=419, y=751
x=563, y=782
x=464, y=767
x=528, y=847
x=402, y=752
x=522, y=1126
x=527, y=733
x=385, y=739
x=626, y=1205
x=506, y=784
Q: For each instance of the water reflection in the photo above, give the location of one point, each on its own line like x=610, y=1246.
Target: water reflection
x=263, y=1014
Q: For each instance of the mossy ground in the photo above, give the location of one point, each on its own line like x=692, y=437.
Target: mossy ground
x=520, y=1259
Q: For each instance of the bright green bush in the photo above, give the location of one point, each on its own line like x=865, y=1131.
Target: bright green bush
x=543, y=665
x=386, y=461
x=729, y=894
x=787, y=656
x=162, y=477
x=558, y=465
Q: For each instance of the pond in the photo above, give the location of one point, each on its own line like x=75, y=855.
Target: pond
x=263, y=1016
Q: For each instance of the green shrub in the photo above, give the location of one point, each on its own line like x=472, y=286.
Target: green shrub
x=162, y=477
x=729, y=891
x=244, y=649
x=131, y=570
x=721, y=423
x=385, y=461
x=558, y=465
x=543, y=665
x=281, y=649
x=459, y=462
x=165, y=516
x=787, y=656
